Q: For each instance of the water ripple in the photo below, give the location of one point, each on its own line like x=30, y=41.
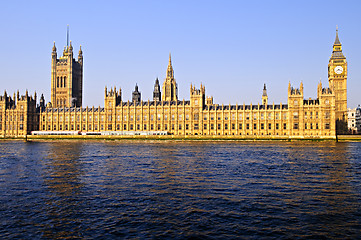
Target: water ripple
x=183, y=190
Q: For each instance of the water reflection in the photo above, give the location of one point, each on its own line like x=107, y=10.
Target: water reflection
x=180, y=190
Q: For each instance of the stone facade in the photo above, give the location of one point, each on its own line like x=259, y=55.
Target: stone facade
x=299, y=118
x=354, y=120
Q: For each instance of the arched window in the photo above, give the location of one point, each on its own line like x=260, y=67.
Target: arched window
x=57, y=82
x=64, y=81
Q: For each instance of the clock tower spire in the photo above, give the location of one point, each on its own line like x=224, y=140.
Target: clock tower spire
x=337, y=77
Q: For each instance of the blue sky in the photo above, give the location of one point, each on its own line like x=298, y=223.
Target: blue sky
x=232, y=47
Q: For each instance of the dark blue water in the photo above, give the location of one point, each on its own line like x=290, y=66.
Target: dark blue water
x=180, y=190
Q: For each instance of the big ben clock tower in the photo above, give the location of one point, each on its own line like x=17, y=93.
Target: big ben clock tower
x=337, y=77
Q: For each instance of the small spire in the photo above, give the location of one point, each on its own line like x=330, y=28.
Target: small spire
x=170, y=72
x=337, y=40
x=264, y=91
x=54, y=48
x=70, y=47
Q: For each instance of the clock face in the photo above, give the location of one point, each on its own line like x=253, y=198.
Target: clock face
x=338, y=70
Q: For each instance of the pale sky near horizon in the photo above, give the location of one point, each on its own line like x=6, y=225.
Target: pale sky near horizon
x=232, y=47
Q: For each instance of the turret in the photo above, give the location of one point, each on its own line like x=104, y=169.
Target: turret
x=170, y=89
x=156, y=92
x=136, y=95
x=264, y=95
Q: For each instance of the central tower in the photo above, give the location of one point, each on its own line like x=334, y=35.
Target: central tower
x=337, y=77
x=170, y=89
x=66, y=78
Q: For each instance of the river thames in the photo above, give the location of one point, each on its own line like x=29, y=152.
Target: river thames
x=180, y=190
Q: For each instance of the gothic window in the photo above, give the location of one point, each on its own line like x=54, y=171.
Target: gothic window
x=295, y=115
x=327, y=115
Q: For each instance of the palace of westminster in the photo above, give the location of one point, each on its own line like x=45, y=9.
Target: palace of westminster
x=299, y=118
